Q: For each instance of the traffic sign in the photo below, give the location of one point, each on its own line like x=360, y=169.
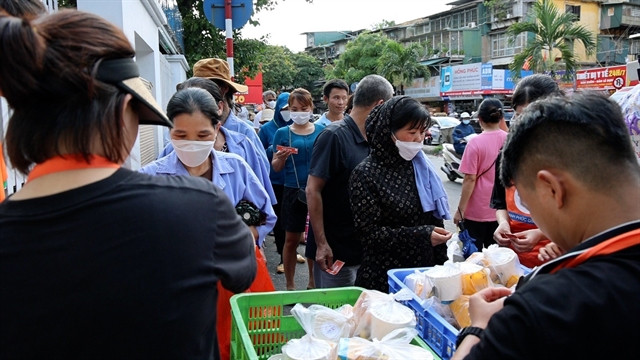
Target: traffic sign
x=241, y=11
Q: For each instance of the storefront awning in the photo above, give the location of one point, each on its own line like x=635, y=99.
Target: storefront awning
x=431, y=62
x=462, y=97
x=501, y=61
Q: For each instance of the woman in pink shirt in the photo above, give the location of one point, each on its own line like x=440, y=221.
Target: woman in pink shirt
x=477, y=165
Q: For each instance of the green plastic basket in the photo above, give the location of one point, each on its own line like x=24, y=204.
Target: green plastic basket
x=262, y=322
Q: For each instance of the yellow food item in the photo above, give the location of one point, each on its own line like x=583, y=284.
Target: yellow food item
x=474, y=282
x=460, y=310
x=513, y=279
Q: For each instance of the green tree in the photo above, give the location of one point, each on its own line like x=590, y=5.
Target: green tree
x=308, y=72
x=360, y=58
x=552, y=31
x=67, y=4
x=277, y=68
x=283, y=70
x=401, y=64
x=383, y=24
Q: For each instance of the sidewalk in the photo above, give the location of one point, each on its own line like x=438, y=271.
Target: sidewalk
x=273, y=259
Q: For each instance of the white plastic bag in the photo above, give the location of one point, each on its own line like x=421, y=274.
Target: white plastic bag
x=324, y=323
x=419, y=284
x=443, y=310
x=394, y=346
x=309, y=348
x=447, y=281
x=504, y=265
x=454, y=249
x=377, y=314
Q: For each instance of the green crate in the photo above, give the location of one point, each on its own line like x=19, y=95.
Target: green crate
x=262, y=322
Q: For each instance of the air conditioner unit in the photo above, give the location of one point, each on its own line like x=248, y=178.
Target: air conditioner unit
x=472, y=24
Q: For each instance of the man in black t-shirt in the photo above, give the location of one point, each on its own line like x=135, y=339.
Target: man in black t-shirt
x=582, y=305
x=337, y=150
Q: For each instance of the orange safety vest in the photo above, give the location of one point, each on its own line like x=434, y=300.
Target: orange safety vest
x=4, y=176
x=520, y=220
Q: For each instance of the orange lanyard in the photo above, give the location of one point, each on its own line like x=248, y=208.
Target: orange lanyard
x=610, y=246
x=70, y=162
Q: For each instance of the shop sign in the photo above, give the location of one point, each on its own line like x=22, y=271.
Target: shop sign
x=421, y=88
x=607, y=78
x=486, y=78
x=461, y=78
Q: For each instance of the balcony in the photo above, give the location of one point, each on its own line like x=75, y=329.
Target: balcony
x=507, y=15
x=630, y=15
x=174, y=23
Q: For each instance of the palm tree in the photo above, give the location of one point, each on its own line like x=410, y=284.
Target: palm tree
x=401, y=64
x=553, y=31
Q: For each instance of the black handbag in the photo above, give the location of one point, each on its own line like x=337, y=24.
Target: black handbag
x=302, y=195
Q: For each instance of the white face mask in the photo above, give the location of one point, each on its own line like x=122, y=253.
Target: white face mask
x=408, y=149
x=192, y=152
x=271, y=104
x=286, y=115
x=466, y=122
x=300, y=117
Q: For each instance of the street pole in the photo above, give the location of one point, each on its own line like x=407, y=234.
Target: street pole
x=229, y=35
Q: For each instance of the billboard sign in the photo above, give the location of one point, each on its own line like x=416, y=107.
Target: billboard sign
x=607, y=78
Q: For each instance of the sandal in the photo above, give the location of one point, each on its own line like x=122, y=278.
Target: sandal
x=280, y=269
x=300, y=259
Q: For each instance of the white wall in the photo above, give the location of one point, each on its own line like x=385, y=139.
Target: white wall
x=142, y=21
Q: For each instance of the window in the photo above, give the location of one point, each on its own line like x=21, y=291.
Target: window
x=501, y=47
x=573, y=9
x=455, y=21
x=634, y=47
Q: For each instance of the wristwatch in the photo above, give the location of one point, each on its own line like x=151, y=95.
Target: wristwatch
x=469, y=330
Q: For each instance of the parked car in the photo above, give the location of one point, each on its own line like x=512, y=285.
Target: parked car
x=441, y=130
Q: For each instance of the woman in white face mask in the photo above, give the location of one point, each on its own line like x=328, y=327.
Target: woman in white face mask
x=196, y=119
x=292, y=147
x=398, y=200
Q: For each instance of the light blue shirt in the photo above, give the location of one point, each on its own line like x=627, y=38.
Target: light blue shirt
x=234, y=123
x=323, y=120
x=231, y=174
x=254, y=156
x=301, y=160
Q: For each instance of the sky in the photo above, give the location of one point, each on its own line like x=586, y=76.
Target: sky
x=291, y=18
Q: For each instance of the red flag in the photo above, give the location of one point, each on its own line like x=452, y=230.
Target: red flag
x=527, y=63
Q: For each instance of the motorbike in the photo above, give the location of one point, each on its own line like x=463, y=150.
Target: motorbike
x=452, y=160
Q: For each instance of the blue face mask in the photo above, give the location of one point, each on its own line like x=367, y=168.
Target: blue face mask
x=466, y=122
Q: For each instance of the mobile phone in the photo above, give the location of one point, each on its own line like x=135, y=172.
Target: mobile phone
x=291, y=149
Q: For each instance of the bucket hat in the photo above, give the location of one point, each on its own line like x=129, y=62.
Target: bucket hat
x=217, y=69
